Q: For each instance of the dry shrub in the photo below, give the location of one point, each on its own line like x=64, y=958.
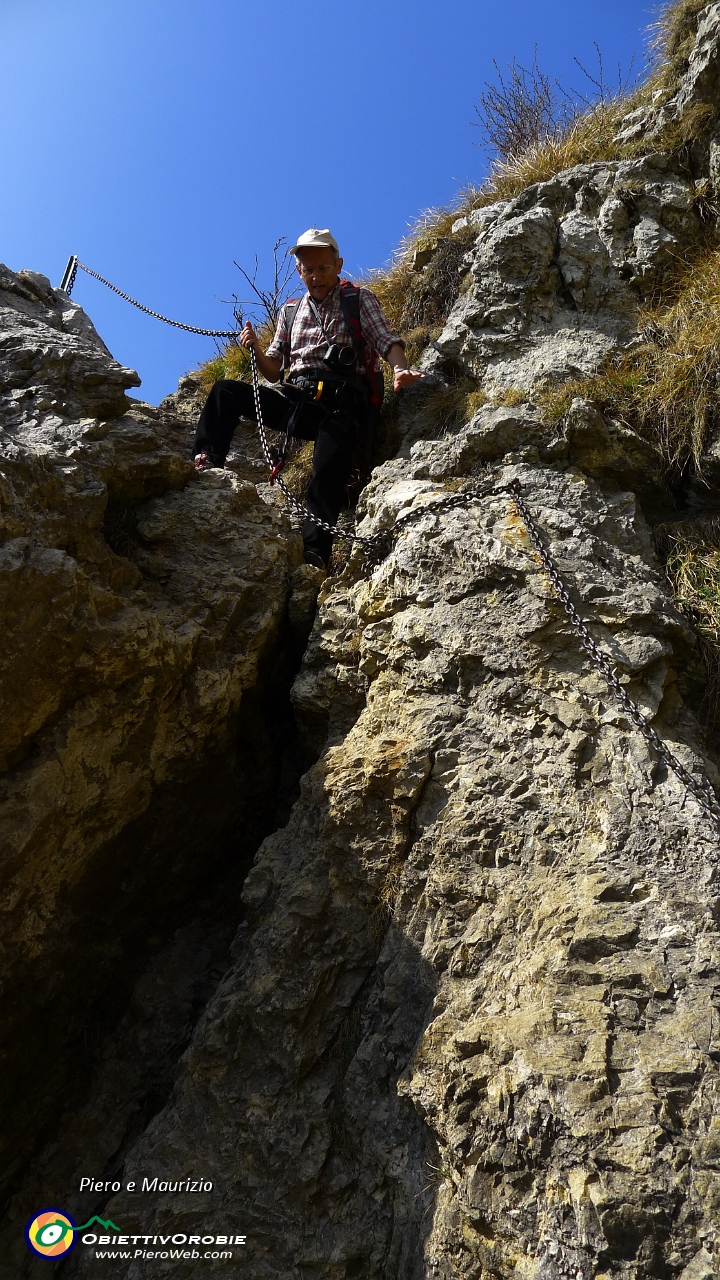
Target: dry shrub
x=521, y=107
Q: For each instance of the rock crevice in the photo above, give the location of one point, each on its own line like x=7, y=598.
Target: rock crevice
x=465, y=1021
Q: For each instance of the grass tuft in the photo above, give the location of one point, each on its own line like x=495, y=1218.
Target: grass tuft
x=298, y=469
x=667, y=388
x=691, y=551
x=674, y=34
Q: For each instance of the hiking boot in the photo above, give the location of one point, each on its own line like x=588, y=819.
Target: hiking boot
x=311, y=557
x=204, y=461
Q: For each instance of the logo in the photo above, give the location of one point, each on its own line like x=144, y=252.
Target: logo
x=50, y=1233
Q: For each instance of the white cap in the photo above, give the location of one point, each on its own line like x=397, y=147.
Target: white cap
x=314, y=239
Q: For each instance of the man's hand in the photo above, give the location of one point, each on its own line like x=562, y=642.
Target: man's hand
x=248, y=337
x=268, y=366
x=406, y=377
x=402, y=376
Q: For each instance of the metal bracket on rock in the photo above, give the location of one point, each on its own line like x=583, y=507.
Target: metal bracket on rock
x=68, y=281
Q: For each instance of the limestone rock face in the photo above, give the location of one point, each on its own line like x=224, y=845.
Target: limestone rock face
x=471, y=1024
x=142, y=606
x=556, y=278
x=694, y=102
x=468, y=1027
x=51, y=357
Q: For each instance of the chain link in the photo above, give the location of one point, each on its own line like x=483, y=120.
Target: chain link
x=189, y=328
x=703, y=793
x=375, y=543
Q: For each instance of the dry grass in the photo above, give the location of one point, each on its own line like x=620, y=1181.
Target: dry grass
x=674, y=35
x=692, y=562
x=667, y=389
x=298, y=469
x=692, y=557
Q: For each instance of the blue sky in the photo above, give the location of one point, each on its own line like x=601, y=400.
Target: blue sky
x=162, y=139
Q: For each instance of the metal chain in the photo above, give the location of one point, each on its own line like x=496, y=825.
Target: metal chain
x=289, y=496
x=704, y=794
x=373, y=542
x=377, y=542
x=69, y=281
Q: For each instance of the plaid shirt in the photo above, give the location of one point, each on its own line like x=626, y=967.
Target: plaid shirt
x=309, y=344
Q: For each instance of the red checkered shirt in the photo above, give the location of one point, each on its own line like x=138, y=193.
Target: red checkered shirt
x=309, y=344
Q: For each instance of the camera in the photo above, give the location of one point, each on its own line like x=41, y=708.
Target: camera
x=340, y=359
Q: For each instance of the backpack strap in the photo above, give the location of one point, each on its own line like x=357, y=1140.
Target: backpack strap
x=289, y=313
x=350, y=303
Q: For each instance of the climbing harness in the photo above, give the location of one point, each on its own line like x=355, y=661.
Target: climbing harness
x=377, y=545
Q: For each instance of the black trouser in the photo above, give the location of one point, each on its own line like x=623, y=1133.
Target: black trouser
x=335, y=434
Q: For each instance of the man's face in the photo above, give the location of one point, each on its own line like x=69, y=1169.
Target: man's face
x=320, y=272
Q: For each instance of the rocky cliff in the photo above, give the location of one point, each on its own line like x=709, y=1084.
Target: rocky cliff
x=464, y=1022
x=145, y=635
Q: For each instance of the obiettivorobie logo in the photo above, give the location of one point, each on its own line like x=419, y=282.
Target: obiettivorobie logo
x=52, y=1233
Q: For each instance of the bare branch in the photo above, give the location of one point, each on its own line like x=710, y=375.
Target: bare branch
x=604, y=93
x=521, y=109
x=272, y=299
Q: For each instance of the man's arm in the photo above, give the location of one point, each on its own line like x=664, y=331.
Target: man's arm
x=384, y=341
x=402, y=375
x=268, y=365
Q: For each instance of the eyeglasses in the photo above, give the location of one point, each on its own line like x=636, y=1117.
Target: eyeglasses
x=322, y=269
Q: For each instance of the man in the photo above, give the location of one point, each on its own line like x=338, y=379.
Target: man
x=330, y=404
